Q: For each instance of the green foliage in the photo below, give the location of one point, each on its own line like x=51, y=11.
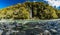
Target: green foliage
x=44, y=11
x=15, y=12
x=29, y=10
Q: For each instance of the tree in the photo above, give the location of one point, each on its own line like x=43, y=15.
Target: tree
x=29, y=10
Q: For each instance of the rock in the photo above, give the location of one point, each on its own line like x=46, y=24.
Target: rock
x=46, y=32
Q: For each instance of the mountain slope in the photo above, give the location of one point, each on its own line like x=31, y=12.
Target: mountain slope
x=29, y=10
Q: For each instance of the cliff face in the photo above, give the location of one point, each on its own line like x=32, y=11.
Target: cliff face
x=29, y=10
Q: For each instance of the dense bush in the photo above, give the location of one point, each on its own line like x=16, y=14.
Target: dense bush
x=29, y=10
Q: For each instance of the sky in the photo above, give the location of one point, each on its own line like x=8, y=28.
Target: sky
x=53, y=2
x=6, y=3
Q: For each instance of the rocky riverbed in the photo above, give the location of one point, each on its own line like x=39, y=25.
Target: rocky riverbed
x=30, y=28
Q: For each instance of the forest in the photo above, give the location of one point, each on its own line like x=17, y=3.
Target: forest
x=30, y=10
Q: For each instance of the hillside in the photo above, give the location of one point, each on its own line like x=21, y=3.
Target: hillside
x=30, y=10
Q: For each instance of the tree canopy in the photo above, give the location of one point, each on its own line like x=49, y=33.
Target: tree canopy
x=29, y=10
